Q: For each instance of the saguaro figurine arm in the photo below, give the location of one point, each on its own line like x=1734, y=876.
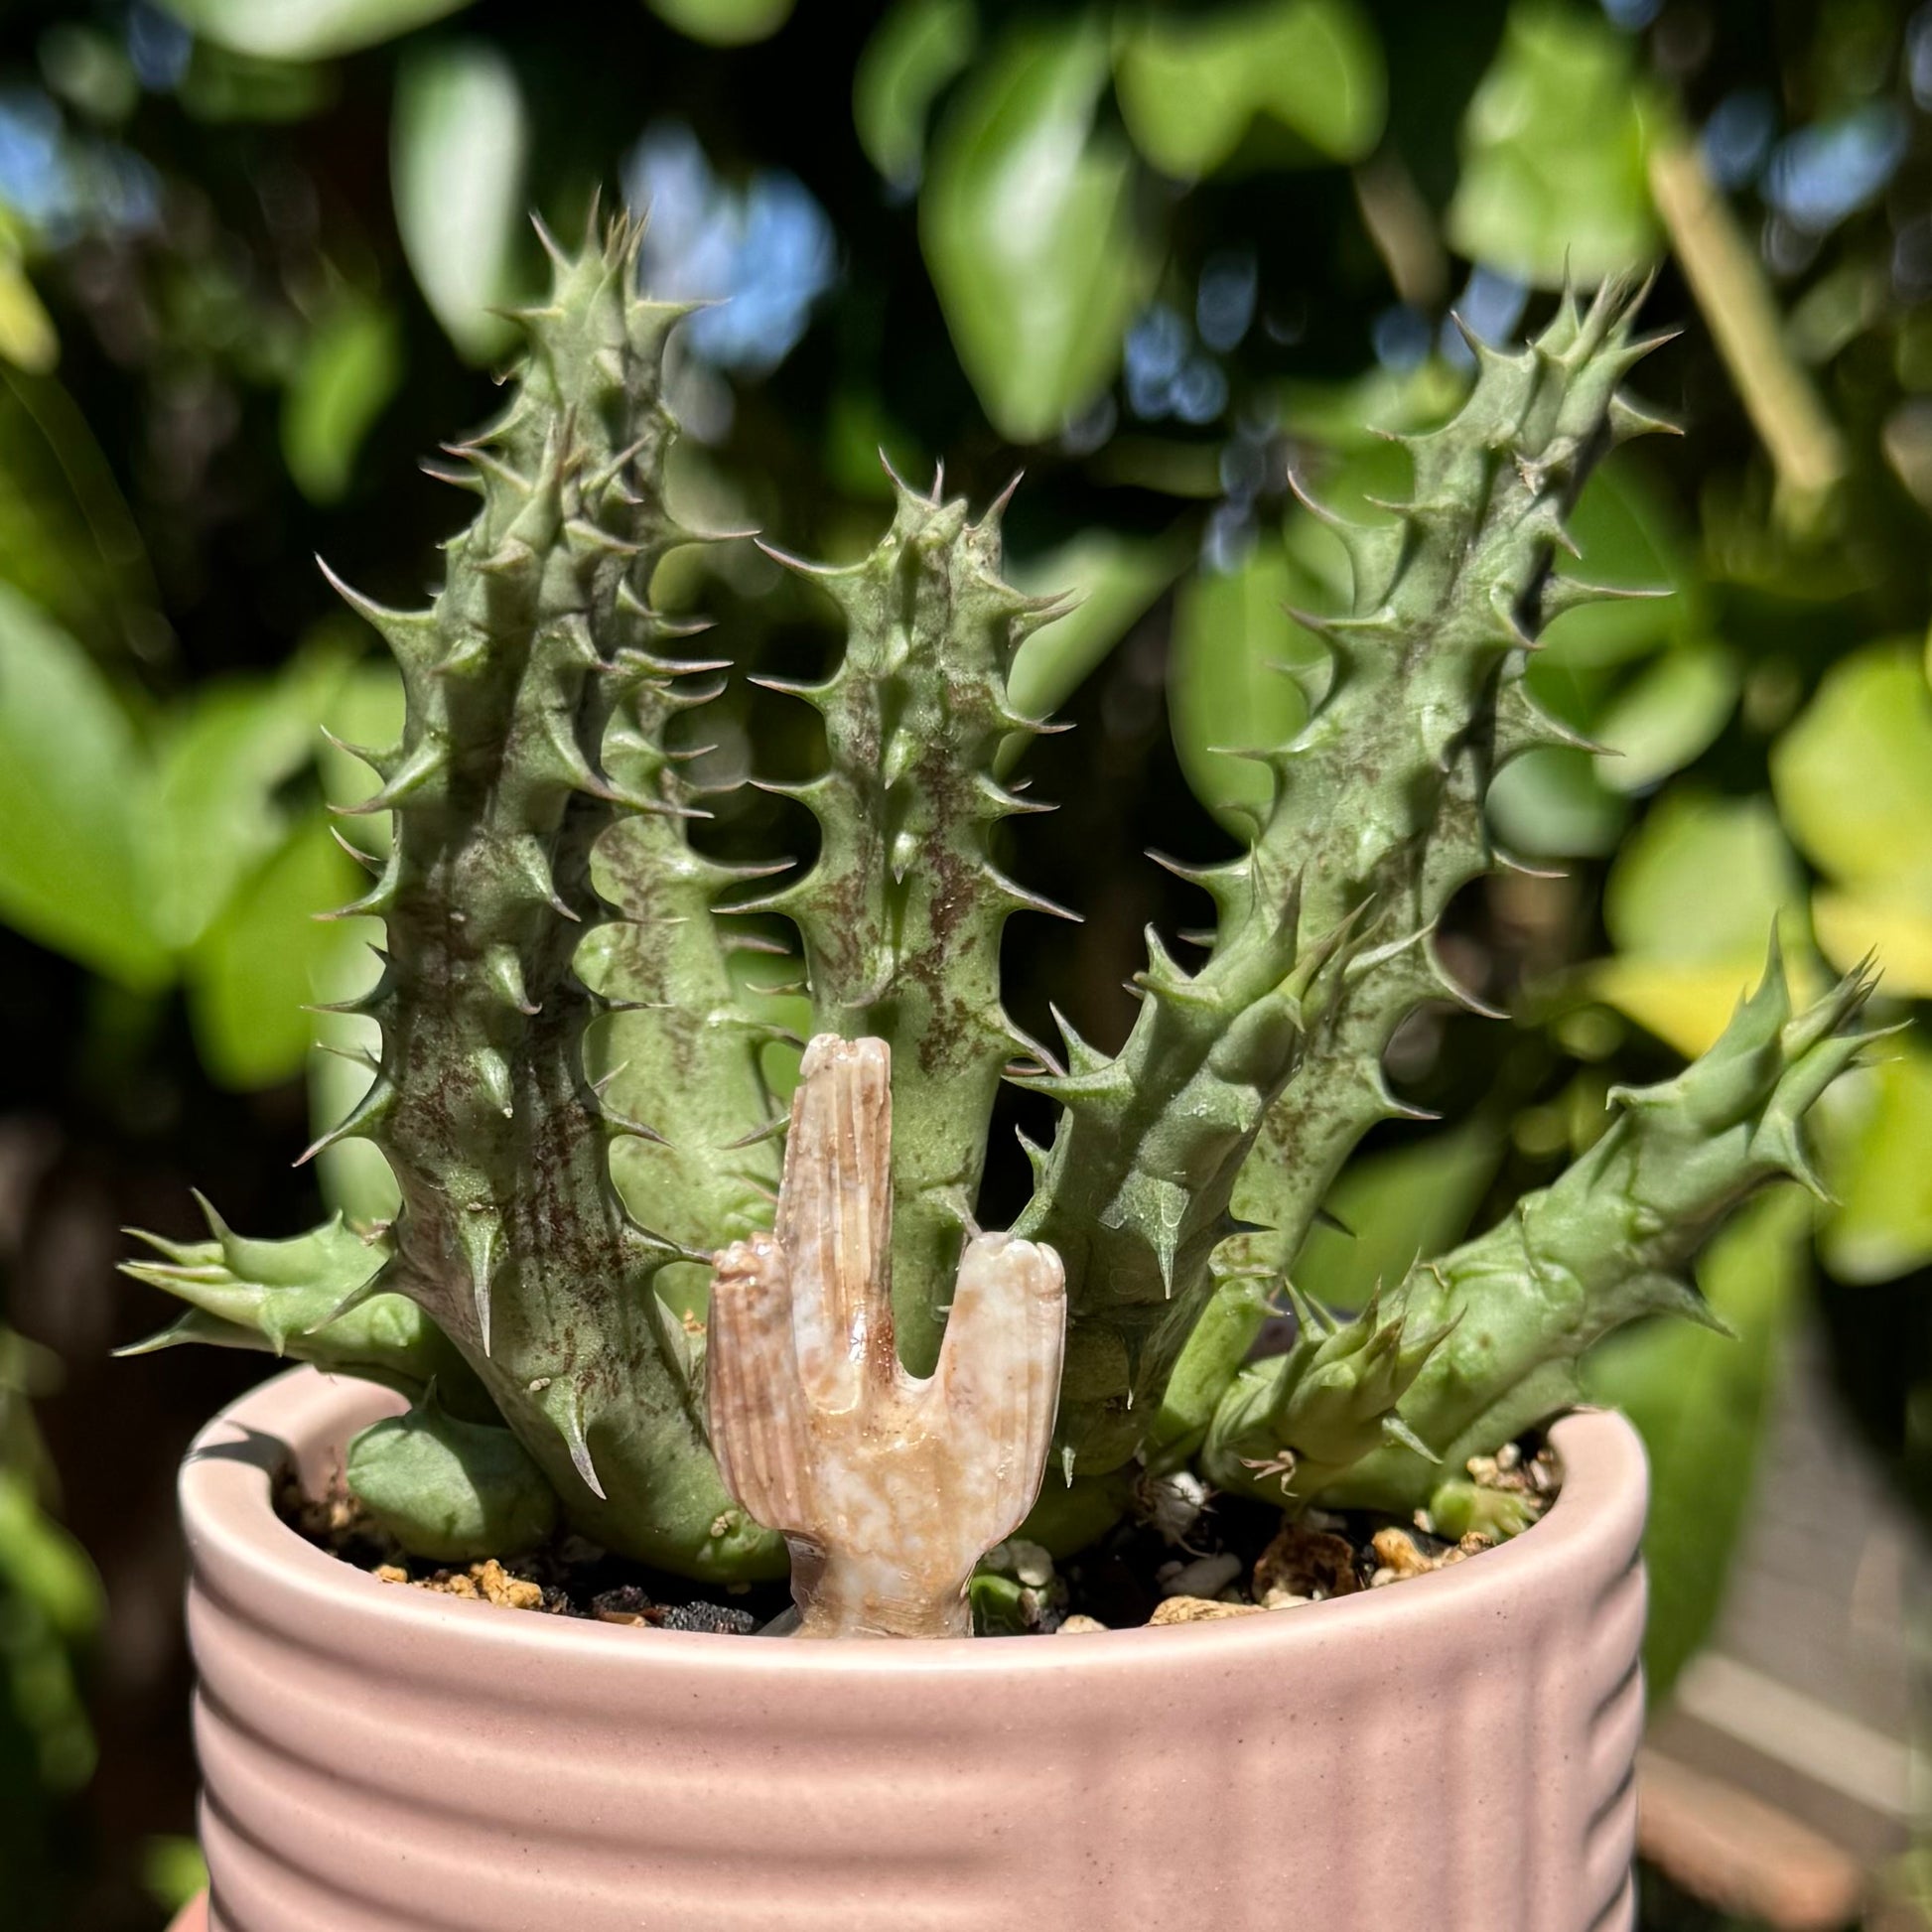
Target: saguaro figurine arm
x=886, y=1488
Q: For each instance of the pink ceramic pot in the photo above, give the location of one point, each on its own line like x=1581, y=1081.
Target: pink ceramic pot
x=1451, y=1755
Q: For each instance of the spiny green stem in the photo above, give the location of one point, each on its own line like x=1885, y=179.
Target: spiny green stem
x=903, y=912
x=1496, y=1327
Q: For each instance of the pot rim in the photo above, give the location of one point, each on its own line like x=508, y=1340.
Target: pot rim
x=227, y=1508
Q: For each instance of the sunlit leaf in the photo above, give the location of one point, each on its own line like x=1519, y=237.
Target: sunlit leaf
x=173, y=1870
x=1029, y=232
x=1880, y=1166
x=1192, y=82
x=27, y=337
x=1686, y=1004
x=1690, y=905
x=71, y=776
x=457, y=153
x=1227, y=689
x=253, y=971
x=1874, y=1143
x=1893, y=925
x=350, y=370
x=725, y=23
x=1701, y=1402
x=1666, y=716
x=914, y=51
x=1854, y=774
x=1700, y=880
x=306, y=30
x=1401, y=1207
x=1552, y=151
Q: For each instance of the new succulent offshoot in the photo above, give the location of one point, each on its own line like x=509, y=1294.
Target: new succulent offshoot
x=546, y=911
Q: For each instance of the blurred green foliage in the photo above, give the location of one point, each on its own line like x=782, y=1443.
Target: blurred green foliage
x=1181, y=261
x=49, y=1616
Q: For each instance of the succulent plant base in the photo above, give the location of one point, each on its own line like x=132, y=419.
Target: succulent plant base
x=1238, y=1548
x=775, y=1787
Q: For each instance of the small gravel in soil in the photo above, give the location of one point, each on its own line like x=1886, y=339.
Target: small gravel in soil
x=1223, y=1556
x=567, y=1577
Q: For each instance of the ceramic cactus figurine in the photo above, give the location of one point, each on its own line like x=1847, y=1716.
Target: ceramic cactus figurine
x=570, y=1091
x=888, y=1488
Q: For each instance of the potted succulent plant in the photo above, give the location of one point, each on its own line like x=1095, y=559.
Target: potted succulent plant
x=572, y=1092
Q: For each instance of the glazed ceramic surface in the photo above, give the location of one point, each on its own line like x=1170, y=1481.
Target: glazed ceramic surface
x=1452, y=1754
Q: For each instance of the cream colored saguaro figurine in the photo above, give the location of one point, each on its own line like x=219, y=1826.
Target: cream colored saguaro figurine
x=886, y=1488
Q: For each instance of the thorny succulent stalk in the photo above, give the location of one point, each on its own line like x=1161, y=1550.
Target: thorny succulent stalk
x=548, y=914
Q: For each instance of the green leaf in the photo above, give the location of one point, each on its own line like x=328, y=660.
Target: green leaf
x=1688, y=905
x=71, y=776
x=1552, y=803
x=42, y=1563
x=1687, y=1005
x=1701, y=880
x=306, y=30
x=1552, y=151
x=173, y=1870
x=351, y=365
x=27, y=334
x=456, y=151
x=1192, y=83
x=913, y=53
x=1029, y=233
x=724, y=23
x=1700, y=1401
x=1402, y=1205
x=1880, y=1166
x=224, y=756
x=1115, y=579
x=1670, y=714
x=1892, y=922
x=1852, y=777
x=1227, y=691
x=253, y=972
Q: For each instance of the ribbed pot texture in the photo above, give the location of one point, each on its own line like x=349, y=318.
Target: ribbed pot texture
x=1453, y=1755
